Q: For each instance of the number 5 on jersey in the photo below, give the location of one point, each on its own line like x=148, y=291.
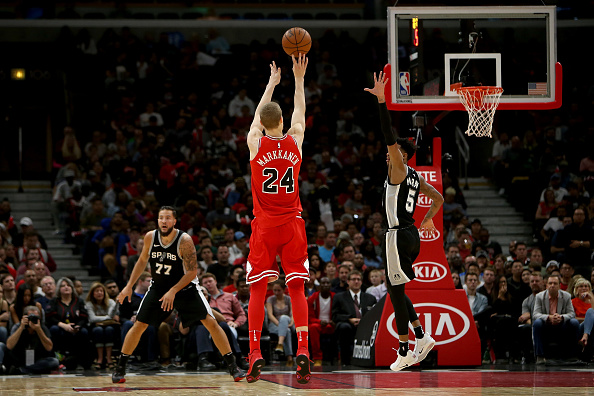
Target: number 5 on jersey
x=286, y=181
x=410, y=200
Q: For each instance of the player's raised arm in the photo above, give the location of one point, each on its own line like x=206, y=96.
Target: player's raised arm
x=431, y=192
x=397, y=168
x=298, y=118
x=256, y=128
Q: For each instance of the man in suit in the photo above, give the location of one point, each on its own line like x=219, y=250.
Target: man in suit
x=554, y=319
x=478, y=302
x=347, y=310
x=478, y=305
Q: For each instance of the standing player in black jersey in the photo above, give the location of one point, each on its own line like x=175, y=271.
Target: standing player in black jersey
x=174, y=268
x=402, y=242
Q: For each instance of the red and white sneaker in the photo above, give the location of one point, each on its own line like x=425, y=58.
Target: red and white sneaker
x=256, y=364
x=303, y=366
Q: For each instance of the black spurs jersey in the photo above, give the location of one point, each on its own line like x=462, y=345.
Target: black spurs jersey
x=400, y=200
x=167, y=266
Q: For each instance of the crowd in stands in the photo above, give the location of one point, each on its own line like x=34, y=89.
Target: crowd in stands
x=175, y=119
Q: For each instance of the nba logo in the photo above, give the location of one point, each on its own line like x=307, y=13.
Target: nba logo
x=404, y=82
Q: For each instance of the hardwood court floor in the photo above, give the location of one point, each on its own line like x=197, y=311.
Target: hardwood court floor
x=526, y=381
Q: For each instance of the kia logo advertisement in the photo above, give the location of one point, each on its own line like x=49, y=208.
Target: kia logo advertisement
x=429, y=271
x=429, y=236
x=445, y=323
x=424, y=201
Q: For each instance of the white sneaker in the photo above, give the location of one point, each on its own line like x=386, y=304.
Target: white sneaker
x=404, y=361
x=423, y=346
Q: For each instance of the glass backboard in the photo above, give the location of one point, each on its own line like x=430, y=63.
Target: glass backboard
x=432, y=50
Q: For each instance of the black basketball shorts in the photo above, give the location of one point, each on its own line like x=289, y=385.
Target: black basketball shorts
x=189, y=303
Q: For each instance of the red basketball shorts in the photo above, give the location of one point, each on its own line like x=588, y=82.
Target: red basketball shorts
x=287, y=241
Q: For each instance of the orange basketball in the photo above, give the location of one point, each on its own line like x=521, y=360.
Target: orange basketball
x=296, y=41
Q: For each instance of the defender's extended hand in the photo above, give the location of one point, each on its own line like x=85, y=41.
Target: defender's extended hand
x=379, y=86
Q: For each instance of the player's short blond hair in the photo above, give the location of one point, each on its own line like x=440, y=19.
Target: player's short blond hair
x=270, y=115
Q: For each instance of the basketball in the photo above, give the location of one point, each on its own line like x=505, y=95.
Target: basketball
x=296, y=41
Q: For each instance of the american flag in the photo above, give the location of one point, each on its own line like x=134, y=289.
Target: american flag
x=539, y=88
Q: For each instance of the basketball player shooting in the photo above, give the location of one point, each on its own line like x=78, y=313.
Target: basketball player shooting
x=402, y=242
x=278, y=228
x=174, y=269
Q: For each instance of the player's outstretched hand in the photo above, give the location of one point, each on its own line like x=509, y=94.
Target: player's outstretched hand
x=167, y=304
x=378, y=86
x=126, y=292
x=299, y=65
x=275, y=74
x=427, y=226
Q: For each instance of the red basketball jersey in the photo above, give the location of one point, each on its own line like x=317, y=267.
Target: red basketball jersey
x=275, y=188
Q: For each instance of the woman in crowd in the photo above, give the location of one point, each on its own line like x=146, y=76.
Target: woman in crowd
x=104, y=320
x=24, y=298
x=236, y=274
x=316, y=262
x=207, y=257
x=502, y=323
x=280, y=320
x=311, y=285
x=372, y=260
x=456, y=279
x=543, y=212
x=329, y=270
x=67, y=320
x=499, y=264
x=583, y=304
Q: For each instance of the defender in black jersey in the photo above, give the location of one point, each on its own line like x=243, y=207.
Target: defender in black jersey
x=174, y=269
x=402, y=242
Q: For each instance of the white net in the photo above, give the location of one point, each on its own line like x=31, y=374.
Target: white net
x=480, y=103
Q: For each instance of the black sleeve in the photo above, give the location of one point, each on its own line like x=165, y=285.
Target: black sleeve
x=386, y=124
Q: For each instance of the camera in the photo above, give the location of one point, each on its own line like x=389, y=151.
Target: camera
x=33, y=319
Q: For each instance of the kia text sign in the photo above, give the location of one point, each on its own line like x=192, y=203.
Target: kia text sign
x=445, y=323
x=446, y=315
x=429, y=271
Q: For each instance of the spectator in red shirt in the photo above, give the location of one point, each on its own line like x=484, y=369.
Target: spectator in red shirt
x=583, y=304
x=320, y=318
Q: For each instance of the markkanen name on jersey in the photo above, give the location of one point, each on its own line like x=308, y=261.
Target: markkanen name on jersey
x=277, y=154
